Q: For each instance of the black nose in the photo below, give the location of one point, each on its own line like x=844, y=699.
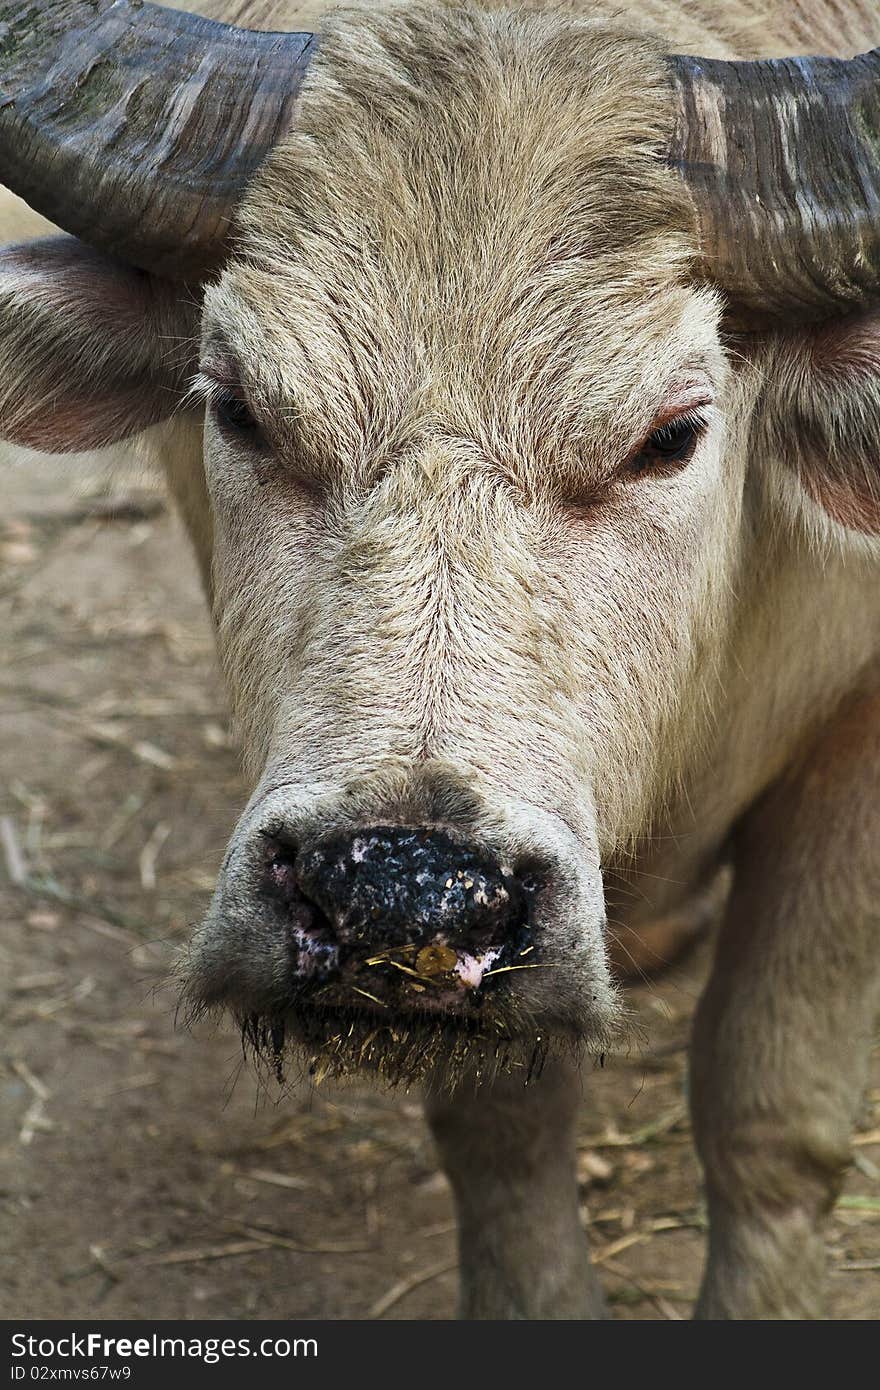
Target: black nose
x=395, y=885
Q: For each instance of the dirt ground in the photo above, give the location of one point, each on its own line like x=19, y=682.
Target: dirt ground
x=143, y=1171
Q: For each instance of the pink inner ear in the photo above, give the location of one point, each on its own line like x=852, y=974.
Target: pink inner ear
x=73, y=423
x=837, y=420
x=845, y=504
x=91, y=350
x=847, y=348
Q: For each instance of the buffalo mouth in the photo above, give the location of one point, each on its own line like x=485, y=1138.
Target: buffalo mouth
x=431, y=998
x=419, y=1013
x=434, y=974
x=406, y=1002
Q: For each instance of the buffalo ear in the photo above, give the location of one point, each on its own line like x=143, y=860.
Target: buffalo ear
x=91, y=350
x=820, y=416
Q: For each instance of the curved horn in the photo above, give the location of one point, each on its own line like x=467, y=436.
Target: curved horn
x=137, y=127
x=782, y=157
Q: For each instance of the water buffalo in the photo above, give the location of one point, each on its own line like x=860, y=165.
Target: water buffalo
x=521, y=379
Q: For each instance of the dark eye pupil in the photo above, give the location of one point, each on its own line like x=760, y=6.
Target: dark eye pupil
x=672, y=443
x=235, y=413
x=672, y=439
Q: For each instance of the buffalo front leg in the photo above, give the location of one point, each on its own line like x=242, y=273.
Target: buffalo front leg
x=783, y=1033
x=509, y=1152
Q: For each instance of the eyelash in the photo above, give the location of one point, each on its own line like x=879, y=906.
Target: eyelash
x=224, y=404
x=234, y=414
x=656, y=456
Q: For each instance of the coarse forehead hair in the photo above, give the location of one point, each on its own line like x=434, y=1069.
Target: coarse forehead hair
x=472, y=230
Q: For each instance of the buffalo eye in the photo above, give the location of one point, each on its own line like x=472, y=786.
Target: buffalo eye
x=671, y=446
x=235, y=417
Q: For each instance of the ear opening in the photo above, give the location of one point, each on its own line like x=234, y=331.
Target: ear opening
x=92, y=350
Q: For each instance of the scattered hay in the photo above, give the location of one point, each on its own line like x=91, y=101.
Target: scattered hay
x=16, y=865
x=400, y=1290
x=211, y=1252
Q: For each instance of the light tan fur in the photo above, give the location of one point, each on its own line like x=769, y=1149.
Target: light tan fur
x=457, y=381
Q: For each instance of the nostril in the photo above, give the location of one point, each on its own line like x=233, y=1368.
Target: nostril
x=529, y=882
x=314, y=950
x=280, y=865
x=533, y=873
